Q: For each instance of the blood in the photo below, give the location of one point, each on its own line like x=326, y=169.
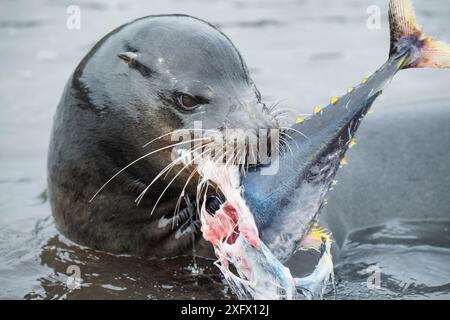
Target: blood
x=222, y=226
x=231, y=212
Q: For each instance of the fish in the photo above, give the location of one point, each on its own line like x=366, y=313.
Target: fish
x=287, y=203
x=232, y=231
x=271, y=210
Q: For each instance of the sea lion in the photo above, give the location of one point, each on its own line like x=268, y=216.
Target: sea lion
x=140, y=82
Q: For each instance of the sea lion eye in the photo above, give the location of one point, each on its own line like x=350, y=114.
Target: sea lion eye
x=187, y=101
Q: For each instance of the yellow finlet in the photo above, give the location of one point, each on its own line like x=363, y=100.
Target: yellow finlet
x=334, y=182
x=401, y=62
x=317, y=109
x=350, y=89
x=314, y=239
x=343, y=161
x=351, y=143
x=364, y=80
x=370, y=110
x=334, y=100
x=299, y=120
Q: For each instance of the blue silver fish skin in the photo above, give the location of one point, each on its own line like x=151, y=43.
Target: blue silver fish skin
x=285, y=204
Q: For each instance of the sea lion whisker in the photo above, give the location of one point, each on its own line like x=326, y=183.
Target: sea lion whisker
x=171, y=181
x=166, y=169
x=177, y=207
x=285, y=144
x=172, y=132
x=284, y=118
x=190, y=151
x=295, y=130
x=169, y=166
x=187, y=182
x=201, y=183
x=275, y=105
x=287, y=135
x=233, y=158
x=185, y=185
x=204, y=145
x=137, y=160
x=277, y=112
x=187, y=219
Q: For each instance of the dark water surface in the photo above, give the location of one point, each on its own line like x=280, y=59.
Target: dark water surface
x=411, y=260
x=300, y=52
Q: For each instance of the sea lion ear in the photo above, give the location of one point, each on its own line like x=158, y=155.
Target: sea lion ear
x=131, y=58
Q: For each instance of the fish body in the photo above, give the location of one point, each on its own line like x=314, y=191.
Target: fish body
x=287, y=198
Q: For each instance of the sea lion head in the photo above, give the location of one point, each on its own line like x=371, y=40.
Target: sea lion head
x=140, y=83
x=165, y=73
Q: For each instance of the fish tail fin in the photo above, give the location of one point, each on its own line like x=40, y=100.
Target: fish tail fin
x=407, y=36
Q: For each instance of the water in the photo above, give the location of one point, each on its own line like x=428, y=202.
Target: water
x=399, y=260
x=35, y=266
x=402, y=259
x=300, y=52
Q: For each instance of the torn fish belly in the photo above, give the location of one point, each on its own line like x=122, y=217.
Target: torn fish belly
x=248, y=265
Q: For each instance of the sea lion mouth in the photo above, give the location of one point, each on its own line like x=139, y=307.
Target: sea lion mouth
x=214, y=201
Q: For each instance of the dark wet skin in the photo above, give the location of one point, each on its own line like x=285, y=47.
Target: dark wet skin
x=130, y=89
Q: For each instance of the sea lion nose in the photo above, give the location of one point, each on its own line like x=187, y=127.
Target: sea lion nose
x=251, y=115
